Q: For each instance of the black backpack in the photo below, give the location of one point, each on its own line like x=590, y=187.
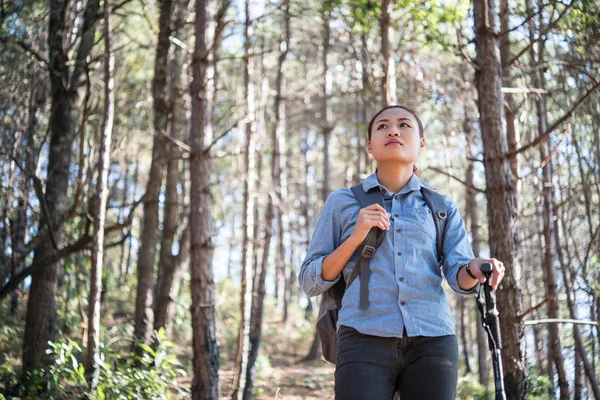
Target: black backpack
x=331, y=300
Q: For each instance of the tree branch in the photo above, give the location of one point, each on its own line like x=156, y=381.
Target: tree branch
x=548, y=28
x=435, y=169
x=544, y=136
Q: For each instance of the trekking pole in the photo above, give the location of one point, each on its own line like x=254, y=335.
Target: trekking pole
x=491, y=324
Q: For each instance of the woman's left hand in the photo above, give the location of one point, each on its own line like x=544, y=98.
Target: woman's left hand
x=497, y=270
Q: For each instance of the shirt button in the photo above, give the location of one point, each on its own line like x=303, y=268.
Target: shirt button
x=402, y=303
x=399, y=253
x=395, y=215
x=401, y=279
x=398, y=230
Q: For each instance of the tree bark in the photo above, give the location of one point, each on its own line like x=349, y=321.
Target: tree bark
x=280, y=178
x=66, y=103
x=205, y=383
x=388, y=81
x=259, y=264
x=548, y=225
x=500, y=196
x=144, y=312
x=472, y=221
x=241, y=359
x=99, y=206
x=170, y=266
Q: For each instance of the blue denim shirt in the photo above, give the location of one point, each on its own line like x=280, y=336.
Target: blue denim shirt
x=405, y=287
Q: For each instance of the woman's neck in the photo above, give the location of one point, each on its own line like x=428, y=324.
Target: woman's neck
x=394, y=177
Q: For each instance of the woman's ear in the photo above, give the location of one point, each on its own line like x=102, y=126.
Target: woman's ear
x=422, y=142
x=369, y=146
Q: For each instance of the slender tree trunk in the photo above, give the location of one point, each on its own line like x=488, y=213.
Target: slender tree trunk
x=547, y=233
x=99, y=206
x=136, y=171
x=500, y=196
x=280, y=179
x=326, y=124
x=66, y=103
x=259, y=265
x=144, y=312
x=578, y=375
x=124, y=197
x=388, y=81
x=19, y=227
x=205, y=383
x=249, y=168
x=170, y=266
x=472, y=216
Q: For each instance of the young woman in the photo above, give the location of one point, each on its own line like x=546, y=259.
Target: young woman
x=405, y=341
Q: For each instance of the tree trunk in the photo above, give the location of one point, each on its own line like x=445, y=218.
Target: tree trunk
x=144, y=312
x=259, y=265
x=205, y=383
x=99, y=206
x=326, y=124
x=241, y=359
x=388, y=81
x=66, y=102
x=472, y=219
x=280, y=180
x=548, y=230
x=500, y=196
x=170, y=266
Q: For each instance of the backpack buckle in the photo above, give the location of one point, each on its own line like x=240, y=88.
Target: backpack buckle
x=367, y=251
x=442, y=214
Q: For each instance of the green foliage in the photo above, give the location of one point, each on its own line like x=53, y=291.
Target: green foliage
x=540, y=386
x=468, y=388
x=146, y=376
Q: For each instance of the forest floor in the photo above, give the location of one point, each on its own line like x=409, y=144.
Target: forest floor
x=281, y=372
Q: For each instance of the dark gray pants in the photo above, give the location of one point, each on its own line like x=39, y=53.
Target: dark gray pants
x=373, y=367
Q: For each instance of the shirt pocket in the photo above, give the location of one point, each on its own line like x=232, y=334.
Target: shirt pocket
x=426, y=223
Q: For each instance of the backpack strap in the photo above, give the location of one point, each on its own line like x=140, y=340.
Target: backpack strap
x=436, y=204
x=371, y=243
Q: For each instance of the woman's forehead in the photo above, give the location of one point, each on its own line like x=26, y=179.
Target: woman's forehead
x=395, y=114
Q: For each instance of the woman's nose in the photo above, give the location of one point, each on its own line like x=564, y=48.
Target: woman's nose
x=393, y=132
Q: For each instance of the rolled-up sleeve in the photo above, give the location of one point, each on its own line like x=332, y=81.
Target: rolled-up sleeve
x=457, y=250
x=325, y=240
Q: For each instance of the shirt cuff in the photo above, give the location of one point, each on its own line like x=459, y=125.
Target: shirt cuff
x=458, y=289
x=321, y=283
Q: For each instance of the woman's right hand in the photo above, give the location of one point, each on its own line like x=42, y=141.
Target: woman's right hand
x=368, y=217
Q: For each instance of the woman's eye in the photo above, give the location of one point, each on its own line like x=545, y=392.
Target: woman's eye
x=382, y=126
x=404, y=124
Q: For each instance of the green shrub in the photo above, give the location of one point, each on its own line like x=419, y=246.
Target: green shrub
x=148, y=376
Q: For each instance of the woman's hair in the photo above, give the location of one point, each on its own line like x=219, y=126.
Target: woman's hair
x=410, y=110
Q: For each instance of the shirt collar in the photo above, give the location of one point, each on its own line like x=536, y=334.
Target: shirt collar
x=414, y=183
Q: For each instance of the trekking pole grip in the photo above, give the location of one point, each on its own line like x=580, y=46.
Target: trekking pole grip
x=490, y=300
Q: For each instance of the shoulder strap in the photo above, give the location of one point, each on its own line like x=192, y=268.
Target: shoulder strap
x=436, y=204
x=372, y=242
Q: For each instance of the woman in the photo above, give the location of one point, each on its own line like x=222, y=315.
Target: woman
x=405, y=341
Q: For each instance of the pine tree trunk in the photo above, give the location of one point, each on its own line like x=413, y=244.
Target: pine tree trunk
x=99, y=206
x=388, y=81
x=249, y=168
x=259, y=265
x=326, y=126
x=500, y=196
x=66, y=103
x=548, y=231
x=169, y=269
x=279, y=155
x=144, y=312
x=205, y=383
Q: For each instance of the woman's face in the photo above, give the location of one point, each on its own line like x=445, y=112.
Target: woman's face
x=395, y=137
